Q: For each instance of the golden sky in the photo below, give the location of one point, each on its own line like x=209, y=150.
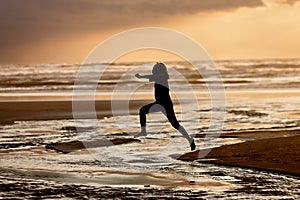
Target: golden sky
x=65, y=31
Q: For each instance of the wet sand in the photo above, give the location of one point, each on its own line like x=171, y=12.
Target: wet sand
x=270, y=150
x=266, y=150
x=17, y=108
x=68, y=147
x=54, y=110
x=273, y=154
x=276, y=151
x=70, y=186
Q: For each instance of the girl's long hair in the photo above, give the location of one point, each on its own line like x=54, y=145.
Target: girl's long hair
x=160, y=71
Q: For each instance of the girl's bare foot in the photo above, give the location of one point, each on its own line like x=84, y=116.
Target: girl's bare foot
x=141, y=134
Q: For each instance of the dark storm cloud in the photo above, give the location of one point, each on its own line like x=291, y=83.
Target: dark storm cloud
x=108, y=12
x=28, y=22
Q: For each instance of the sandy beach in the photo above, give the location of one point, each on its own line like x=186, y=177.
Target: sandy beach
x=272, y=151
x=53, y=110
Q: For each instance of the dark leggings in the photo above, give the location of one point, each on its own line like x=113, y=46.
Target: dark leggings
x=165, y=108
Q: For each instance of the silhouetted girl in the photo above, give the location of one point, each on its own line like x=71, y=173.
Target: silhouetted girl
x=163, y=102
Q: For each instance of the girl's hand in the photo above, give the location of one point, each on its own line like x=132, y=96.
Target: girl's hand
x=138, y=75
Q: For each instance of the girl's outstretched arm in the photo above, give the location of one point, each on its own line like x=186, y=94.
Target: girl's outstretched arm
x=144, y=76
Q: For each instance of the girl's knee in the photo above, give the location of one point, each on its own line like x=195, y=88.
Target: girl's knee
x=142, y=110
x=175, y=124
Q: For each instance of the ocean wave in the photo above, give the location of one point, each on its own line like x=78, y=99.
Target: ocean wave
x=245, y=74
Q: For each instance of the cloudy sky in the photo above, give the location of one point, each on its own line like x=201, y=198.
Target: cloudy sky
x=58, y=31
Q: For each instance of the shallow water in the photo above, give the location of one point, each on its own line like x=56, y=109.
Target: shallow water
x=28, y=169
